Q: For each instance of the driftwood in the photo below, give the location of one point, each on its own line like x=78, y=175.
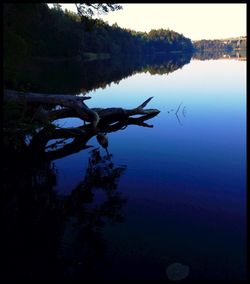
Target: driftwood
x=74, y=103
x=73, y=106
x=102, y=121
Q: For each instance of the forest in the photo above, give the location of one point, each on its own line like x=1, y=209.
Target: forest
x=34, y=31
x=213, y=45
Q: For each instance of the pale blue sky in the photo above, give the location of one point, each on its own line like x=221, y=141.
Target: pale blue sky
x=195, y=21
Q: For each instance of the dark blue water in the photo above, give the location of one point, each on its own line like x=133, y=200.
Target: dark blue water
x=185, y=178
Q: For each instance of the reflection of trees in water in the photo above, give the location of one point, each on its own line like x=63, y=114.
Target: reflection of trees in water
x=31, y=223
x=88, y=216
x=76, y=77
x=219, y=54
x=170, y=65
x=46, y=235
x=50, y=237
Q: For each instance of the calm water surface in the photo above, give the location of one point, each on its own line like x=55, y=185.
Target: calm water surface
x=185, y=177
x=167, y=203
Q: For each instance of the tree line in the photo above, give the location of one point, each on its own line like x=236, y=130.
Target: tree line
x=35, y=30
x=213, y=45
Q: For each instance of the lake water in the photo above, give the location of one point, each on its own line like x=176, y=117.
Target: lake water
x=180, y=192
x=185, y=178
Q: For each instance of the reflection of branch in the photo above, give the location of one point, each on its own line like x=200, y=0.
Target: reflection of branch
x=184, y=111
x=176, y=113
x=54, y=145
x=81, y=135
x=178, y=120
x=74, y=147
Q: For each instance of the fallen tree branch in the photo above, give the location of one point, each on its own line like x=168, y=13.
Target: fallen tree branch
x=72, y=102
x=73, y=106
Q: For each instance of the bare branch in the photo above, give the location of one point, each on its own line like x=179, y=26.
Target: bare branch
x=178, y=108
x=145, y=103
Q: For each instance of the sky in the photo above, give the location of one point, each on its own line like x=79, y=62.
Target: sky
x=195, y=21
